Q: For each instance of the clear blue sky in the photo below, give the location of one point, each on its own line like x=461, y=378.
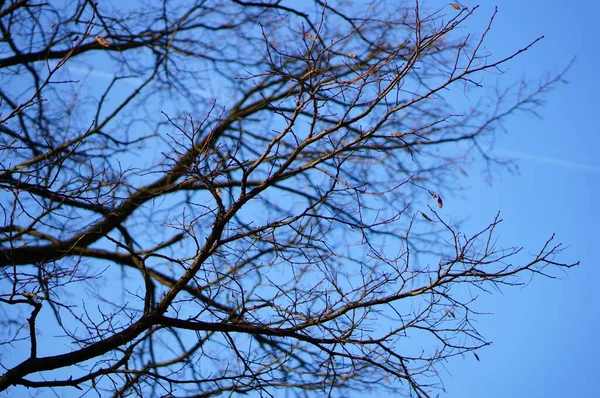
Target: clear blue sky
x=545, y=335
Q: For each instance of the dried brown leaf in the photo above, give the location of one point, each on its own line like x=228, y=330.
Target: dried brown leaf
x=455, y=6
x=440, y=202
x=425, y=216
x=102, y=41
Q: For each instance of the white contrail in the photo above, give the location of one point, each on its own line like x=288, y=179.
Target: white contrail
x=547, y=160
x=108, y=76
x=518, y=155
x=100, y=74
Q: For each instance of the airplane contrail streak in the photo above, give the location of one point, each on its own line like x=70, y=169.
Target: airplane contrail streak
x=548, y=160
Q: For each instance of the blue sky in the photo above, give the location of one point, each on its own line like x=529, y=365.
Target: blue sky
x=545, y=335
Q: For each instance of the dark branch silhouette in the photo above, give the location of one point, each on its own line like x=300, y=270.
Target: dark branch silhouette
x=199, y=198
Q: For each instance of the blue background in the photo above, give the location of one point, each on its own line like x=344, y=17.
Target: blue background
x=546, y=334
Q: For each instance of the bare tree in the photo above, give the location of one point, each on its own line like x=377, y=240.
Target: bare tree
x=204, y=197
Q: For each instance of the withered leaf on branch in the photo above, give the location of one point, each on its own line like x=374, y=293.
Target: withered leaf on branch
x=425, y=216
x=102, y=41
x=455, y=6
x=435, y=196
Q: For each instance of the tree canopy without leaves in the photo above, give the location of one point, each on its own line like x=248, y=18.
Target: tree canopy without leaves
x=200, y=197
